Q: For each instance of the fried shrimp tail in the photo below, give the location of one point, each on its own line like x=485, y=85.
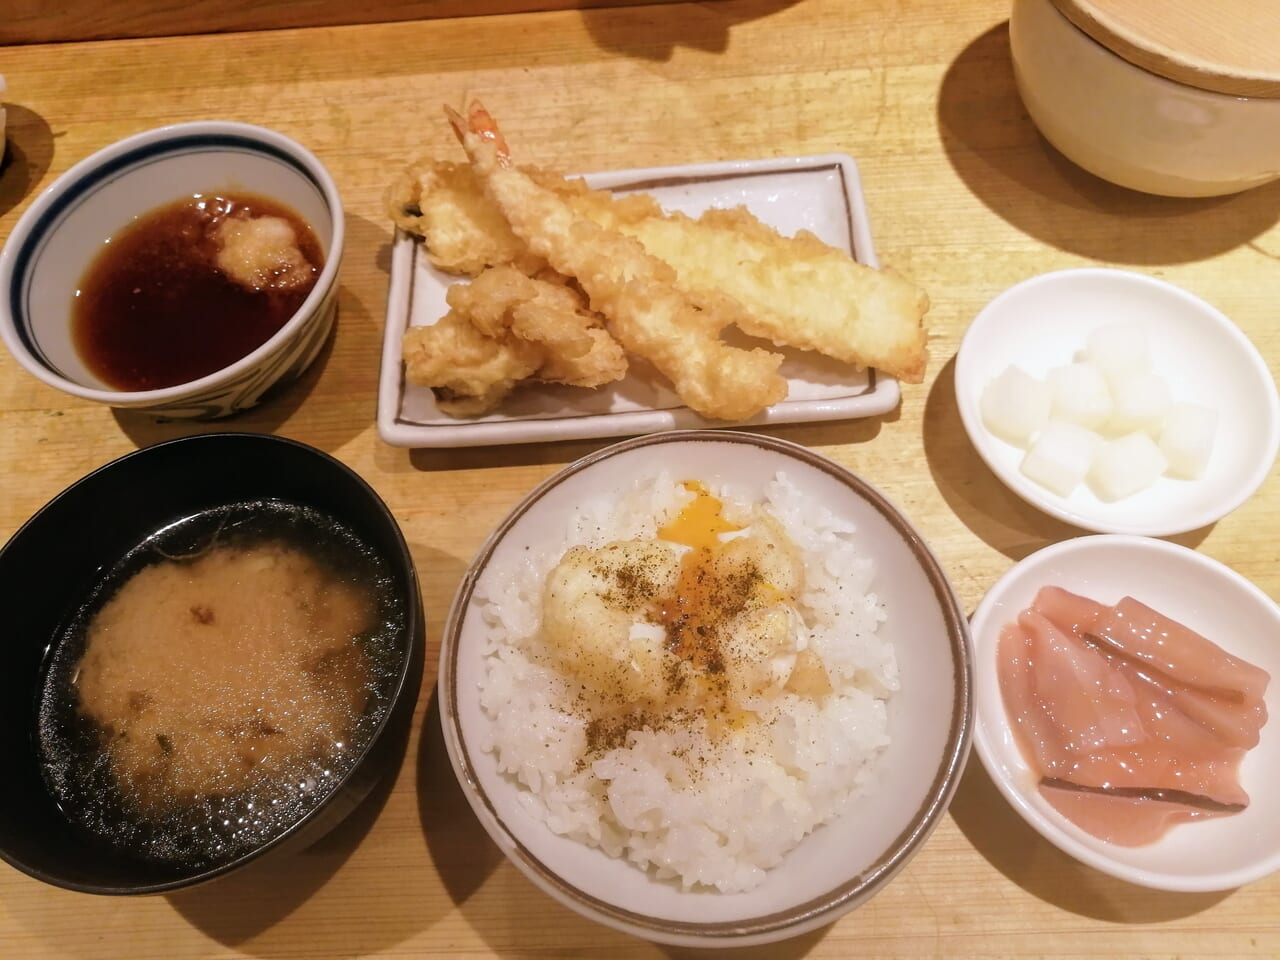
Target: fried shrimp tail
x=636, y=292
x=479, y=124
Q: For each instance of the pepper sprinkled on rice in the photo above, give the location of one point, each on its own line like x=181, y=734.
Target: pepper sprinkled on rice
x=690, y=680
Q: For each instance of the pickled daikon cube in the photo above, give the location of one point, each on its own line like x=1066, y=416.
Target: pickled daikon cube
x=1060, y=456
x=1126, y=465
x=1080, y=394
x=1015, y=405
x=1139, y=401
x=1118, y=350
x=1187, y=438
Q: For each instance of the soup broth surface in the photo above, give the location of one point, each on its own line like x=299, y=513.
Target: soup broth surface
x=219, y=682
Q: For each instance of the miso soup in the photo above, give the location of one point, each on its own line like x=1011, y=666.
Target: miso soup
x=219, y=682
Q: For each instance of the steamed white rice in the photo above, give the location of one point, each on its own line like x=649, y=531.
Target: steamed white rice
x=704, y=811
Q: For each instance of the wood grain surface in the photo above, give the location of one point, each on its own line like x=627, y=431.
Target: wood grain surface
x=1228, y=46
x=37, y=21
x=963, y=195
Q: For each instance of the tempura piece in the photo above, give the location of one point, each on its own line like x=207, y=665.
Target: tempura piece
x=636, y=292
x=443, y=203
x=470, y=373
x=578, y=351
x=795, y=291
x=503, y=328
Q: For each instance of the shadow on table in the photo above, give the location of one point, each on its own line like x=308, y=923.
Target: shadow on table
x=653, y=32
x=978, y=498
x=286, y=896
x=558, y=453
x=277, y=406
x=791, y=949
x=1015, y=849
x=27, y=156
x=462, y=852
x=996, y=150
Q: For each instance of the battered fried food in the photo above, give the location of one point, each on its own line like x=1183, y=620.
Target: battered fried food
x=635, y=291
x=546, y=311
x=794, y=291
x=470, y=373
x=505, y=327
x=665, y=285
x=443, y=203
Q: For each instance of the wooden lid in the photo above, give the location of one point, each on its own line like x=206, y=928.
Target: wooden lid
x=1231, y=46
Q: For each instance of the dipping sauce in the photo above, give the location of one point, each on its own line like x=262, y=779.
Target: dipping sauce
x=1133, y=722
x=192, y=287
x=219, y=682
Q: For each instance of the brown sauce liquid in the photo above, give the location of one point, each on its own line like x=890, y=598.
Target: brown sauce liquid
x=153, y=310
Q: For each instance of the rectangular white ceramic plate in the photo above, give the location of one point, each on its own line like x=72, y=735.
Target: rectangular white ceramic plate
x=821, y=194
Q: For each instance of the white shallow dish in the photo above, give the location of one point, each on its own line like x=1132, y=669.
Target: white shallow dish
x=821, y=194
x=1043, y=322
x=839, y=865
x=1215, y=601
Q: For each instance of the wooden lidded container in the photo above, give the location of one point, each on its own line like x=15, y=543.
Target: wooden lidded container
x=1228, y=46
x=1174, y=97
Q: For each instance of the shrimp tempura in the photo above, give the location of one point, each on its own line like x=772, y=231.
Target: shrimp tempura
x=636, y=292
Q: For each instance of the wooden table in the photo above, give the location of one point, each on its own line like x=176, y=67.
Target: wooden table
x=963, y=196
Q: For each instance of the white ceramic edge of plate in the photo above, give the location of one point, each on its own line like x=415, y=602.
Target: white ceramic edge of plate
x=1049, y=824
x=931, y=812
x=979, y=437
x=883, y=396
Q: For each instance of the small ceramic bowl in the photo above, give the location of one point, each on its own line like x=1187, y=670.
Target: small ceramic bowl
x=1204, y=358
x=50, y=566
x=1131, y=126
x=62, y=231
x=841, y=863
x=1209, y=598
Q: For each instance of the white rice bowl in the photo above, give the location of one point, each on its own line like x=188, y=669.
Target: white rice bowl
x=755, y=845
x=703, y=811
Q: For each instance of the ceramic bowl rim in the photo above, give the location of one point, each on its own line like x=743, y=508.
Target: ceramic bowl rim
x=793, y=920
x=1047, y=502
x=34, y=224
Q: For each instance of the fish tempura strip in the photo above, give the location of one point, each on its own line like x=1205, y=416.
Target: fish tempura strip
x=794, y=291
x=634, y=290
x=797, y=290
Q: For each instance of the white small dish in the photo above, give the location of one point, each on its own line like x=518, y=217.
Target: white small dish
x=821, y=194
x=1206, y=596
x=60, y=234
x=840, y=864
x=1043, y=322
